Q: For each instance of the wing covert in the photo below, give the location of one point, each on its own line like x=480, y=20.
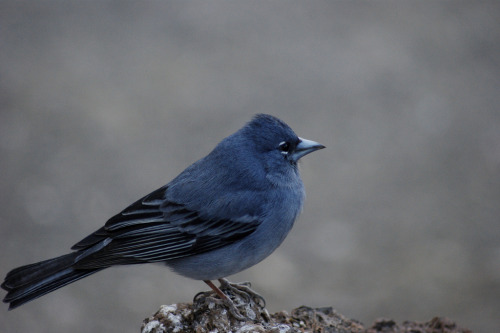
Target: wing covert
x=153, y=230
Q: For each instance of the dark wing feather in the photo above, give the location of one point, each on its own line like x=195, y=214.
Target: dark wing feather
x=144, y=210
x=153, y=230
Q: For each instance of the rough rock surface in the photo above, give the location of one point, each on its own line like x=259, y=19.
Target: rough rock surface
x=208, y=315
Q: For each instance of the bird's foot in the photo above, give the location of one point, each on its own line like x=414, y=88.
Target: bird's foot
x=237, y=297
x=244, y=290
x=207, y=298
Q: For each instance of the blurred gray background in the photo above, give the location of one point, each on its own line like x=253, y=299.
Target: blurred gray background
x=102, y=102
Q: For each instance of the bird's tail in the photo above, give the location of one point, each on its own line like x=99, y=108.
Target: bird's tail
x=25, y=283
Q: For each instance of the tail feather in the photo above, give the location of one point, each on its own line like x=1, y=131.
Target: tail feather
x=27, y=274
x=29, y=282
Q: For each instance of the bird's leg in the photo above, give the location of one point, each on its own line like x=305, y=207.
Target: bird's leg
x=243, y=289
x=224, y=299
x=216, y=289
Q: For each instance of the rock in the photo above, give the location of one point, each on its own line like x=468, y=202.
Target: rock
x=208, y=314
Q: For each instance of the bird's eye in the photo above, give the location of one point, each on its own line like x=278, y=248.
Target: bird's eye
x=284, y=147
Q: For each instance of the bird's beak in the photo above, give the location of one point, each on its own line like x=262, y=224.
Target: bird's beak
x=305, y=147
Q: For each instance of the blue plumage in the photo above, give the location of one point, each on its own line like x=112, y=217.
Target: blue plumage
x=224, y=213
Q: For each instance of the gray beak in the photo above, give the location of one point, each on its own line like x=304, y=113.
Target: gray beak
x=305, y=147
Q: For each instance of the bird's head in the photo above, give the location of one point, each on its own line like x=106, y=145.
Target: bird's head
x=277, y=144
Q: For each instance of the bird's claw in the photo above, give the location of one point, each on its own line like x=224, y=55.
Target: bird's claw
x=234, y=296
x=244, y=290
x=234, y=310
x=206, y=297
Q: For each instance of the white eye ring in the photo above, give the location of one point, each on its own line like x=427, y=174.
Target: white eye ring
x=284, y=147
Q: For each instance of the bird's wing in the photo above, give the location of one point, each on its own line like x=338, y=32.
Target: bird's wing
x=153, y=229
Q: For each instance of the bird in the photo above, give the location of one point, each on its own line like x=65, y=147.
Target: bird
x=223, y=214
